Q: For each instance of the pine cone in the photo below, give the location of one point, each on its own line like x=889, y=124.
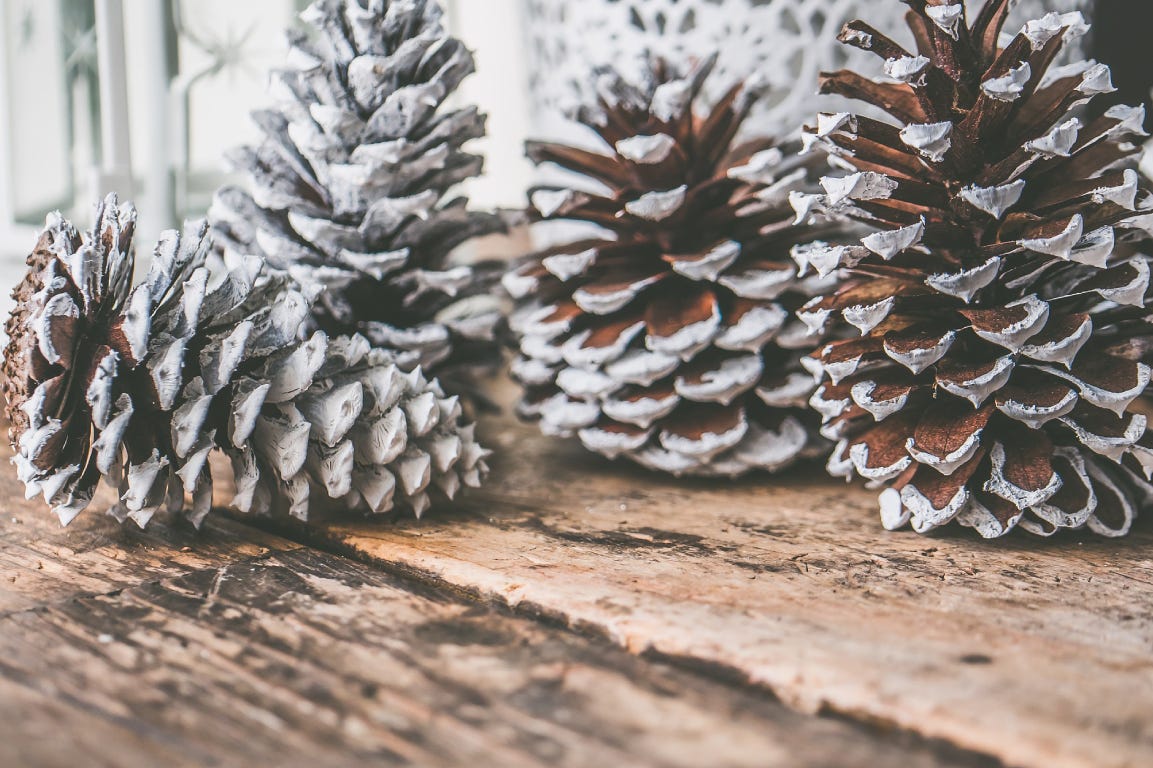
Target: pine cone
x=138, y=385
x=350, y=186
x=999, y=306
x=667, y=336
x=356, y=426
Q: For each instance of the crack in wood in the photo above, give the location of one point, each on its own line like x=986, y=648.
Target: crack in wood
x=303, y=658
x=1026, y=652
x=714, y=672
x=441, y=642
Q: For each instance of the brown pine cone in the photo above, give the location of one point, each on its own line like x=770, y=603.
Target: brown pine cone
x=1000, y=309
x=667, y=336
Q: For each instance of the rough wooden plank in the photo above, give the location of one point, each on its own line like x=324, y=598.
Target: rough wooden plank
x=43, y=563
x=303, y=658
x=236, y=647
x=41, y=730
x=1040, y=652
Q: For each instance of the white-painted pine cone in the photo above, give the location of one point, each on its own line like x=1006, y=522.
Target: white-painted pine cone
x=359, y=429
x=204, y=353
x=352, y=187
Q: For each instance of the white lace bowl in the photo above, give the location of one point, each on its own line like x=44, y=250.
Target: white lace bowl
x=788, y=42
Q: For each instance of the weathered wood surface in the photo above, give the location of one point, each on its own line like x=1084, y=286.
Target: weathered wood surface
x=1038, y=652
x=40, y=563
x=234, y=647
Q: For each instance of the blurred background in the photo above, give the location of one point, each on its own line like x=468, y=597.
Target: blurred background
x=145, y=96
x=151, y=111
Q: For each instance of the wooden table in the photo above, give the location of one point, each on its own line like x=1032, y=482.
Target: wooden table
x=573, y=613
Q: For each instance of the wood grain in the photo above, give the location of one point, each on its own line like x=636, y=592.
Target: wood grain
x=42, y=563
x=43, y=730
x=236, y=647
x=1038, y=652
